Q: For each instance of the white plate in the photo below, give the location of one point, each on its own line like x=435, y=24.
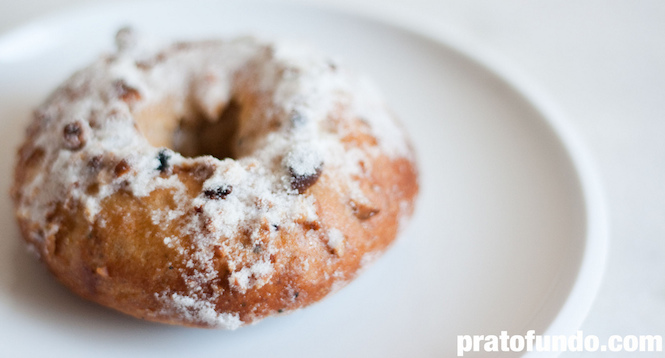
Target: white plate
x=508, y=234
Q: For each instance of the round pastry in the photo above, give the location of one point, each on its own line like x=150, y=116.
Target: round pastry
x=212, y=183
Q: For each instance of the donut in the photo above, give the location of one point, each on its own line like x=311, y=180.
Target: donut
x=212, y=183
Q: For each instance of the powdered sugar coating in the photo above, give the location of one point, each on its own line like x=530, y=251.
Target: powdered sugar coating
x=253, y=196
x=195, y=310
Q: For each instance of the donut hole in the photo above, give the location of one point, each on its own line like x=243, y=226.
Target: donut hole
x=192, y=136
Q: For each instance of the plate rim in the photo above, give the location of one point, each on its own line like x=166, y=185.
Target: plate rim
x=589, y=276
x=596, y=244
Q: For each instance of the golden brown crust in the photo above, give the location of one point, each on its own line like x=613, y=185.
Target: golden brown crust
x=121, y=255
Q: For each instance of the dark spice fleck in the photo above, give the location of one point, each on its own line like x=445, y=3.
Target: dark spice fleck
x=170, y=267
x=74, y=137
x=281, y=310
x=276, y=227
x=163, y=158
x=256, y=249
x=295, y=295
x=302, y=182
x=219, y=193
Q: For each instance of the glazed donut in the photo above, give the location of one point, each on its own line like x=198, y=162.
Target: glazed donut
x=212, y=183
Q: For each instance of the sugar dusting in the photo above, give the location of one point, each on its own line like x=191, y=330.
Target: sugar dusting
x=194, y=311
x=336, y=241
x=304, y=159
x=305, y=88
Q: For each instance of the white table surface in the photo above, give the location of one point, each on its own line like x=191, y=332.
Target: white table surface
x=603, y=63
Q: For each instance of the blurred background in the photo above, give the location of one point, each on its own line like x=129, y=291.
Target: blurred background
x=603, y=63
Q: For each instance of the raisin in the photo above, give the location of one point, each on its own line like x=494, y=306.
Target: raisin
x=95, y=163
x=163, y=158
x=74, y=136
x=121, y=168
x=302, y=182
x=363, y=211
x=220, y=193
